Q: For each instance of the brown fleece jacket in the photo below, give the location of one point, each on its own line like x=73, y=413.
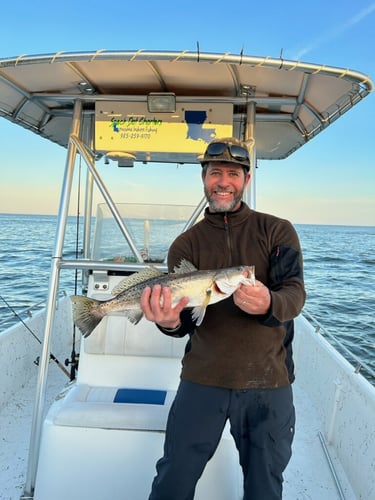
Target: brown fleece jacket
x=230, y=348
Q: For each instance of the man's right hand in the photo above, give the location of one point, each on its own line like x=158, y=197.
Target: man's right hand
x=156, y=304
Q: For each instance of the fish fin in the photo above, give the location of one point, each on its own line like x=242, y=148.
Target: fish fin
x=134, y=316
x=184, y=267
x=250, y=280
x=199, y=312
x=135, y=279
x=85, y=316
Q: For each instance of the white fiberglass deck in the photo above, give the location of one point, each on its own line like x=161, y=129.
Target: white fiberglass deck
x=308, y=475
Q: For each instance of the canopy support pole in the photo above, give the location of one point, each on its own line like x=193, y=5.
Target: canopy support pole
x=250, y=138
x=37, y=419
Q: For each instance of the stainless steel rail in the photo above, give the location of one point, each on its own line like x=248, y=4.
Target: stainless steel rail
x=358, y=364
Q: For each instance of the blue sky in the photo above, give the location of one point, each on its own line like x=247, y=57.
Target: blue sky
x=331, y=180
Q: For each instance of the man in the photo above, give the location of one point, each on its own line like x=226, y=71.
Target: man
x=238, y=363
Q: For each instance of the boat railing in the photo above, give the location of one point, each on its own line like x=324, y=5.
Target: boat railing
x=101, y=265
x=359, y=366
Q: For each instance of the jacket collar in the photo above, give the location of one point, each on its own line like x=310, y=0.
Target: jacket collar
x=234, y=218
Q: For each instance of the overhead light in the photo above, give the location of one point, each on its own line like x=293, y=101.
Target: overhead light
x=86, y=88
x=161, y=102
x=123, y=158
x=248, y=90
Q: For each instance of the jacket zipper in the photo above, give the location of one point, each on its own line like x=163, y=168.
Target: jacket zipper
x=228, y=237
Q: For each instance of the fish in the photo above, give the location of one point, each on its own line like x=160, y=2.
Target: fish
x=202, y=287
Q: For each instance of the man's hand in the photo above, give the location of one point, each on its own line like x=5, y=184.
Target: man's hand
x=253, y=299
x=157, y=306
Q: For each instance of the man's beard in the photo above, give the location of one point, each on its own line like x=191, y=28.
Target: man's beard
x=223, y=207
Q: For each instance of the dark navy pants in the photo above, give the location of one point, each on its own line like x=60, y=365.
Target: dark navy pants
x=262, y=424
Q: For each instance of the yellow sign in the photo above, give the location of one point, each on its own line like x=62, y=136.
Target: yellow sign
x=130, y=127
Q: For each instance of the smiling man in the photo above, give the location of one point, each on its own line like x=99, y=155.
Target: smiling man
x=224, y=182
x=238, y=362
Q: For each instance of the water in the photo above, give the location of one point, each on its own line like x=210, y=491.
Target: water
x=26, y=244
x=339, y=274
x=339, y=267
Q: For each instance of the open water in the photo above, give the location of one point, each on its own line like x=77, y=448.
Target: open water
x=339, y=263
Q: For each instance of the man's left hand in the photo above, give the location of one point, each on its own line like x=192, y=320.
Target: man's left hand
x=253, y=299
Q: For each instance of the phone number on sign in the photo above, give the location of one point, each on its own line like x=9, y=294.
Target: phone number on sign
x=135, y=135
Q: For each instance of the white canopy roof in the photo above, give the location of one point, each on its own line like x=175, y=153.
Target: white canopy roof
x=294, y=100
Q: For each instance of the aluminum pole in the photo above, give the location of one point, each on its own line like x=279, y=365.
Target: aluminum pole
x=37, y=420
x=107, y=197
x=250, y=137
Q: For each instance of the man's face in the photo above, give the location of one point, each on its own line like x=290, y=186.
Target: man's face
x=224, y=184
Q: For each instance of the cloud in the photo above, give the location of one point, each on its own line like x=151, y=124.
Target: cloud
x=335, y=32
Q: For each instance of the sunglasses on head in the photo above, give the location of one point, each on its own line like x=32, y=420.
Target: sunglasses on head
x=236, y=152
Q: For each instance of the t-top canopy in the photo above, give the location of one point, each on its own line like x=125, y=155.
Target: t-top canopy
x=294, y=101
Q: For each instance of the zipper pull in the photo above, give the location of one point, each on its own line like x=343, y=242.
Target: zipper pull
x=226, y=221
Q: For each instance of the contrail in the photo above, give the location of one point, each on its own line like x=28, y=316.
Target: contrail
x=335, y=32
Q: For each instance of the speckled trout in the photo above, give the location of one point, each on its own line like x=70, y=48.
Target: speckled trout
x=202, y=287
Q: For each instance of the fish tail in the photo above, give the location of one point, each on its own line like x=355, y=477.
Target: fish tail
x=85, y=314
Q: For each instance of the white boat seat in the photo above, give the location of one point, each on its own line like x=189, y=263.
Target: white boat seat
x=120, y=356
x=115, y=335
x=115, y=408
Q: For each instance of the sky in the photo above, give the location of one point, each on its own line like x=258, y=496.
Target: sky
x=330, y=180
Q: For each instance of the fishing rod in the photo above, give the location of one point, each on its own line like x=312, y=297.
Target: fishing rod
x=60, y=365
x=74, y=357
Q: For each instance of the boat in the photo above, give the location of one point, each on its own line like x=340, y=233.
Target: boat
x=96, y=428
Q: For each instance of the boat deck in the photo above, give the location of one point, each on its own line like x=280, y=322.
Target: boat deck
x=308, y=475
x=15, y=424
